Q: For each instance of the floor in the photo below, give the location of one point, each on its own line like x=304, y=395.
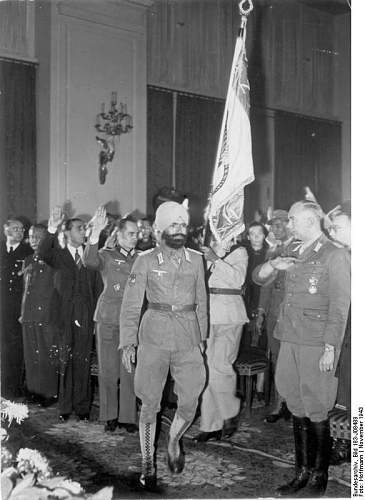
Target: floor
x=251, y=464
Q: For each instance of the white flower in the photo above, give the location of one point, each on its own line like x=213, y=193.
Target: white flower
x=6, y=457
x=31, y=461
x=72, y=486
x=11, y=411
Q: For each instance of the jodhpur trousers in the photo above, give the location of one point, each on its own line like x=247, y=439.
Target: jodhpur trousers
x=187, y=370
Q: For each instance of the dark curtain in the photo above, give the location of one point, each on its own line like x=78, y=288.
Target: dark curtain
x=159, y=141
x=307, y=153
x=18, y=139
x=198, y=123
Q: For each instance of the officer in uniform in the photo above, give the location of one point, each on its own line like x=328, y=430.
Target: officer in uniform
x=310, y=327
x=170, y=333
x=114, y=263
x=13, y=253
x=40, y=322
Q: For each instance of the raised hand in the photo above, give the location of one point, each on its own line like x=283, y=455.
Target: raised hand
x=99, y=221
x=56, y=217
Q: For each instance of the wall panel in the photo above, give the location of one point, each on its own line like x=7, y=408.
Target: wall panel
x=94, y=49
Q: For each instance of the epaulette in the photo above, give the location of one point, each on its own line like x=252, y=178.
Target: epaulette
x=194, y=251
x=146, y=252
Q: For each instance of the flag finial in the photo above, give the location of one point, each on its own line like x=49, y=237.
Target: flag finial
x=245, y=12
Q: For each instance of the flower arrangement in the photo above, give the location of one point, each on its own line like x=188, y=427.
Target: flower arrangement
x=29, y=476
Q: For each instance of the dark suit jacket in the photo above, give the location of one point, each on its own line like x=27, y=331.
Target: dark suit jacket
x=66, y=278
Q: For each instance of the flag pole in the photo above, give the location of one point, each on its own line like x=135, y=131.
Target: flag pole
x=244, y=12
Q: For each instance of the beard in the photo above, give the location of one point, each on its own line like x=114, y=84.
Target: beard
x=174, y=241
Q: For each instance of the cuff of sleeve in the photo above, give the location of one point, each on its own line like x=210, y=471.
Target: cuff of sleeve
x=52, y=230
x=93, y=241
x=330, y=340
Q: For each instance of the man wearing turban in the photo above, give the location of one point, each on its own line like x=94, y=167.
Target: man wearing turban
x=169, y=335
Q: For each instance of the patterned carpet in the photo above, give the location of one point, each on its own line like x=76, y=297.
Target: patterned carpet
x=251, y=464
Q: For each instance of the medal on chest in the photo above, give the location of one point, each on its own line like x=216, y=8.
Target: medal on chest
x=313, y=288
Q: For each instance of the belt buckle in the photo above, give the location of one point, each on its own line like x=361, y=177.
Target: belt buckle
x=174, y=308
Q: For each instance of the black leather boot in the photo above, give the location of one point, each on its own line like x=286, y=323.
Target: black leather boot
x=317, y=483
x=303, y=457
x=282, y=413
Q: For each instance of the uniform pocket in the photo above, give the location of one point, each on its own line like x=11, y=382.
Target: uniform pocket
x=316, y=314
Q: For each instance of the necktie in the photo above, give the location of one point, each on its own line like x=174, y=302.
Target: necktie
x=11, y=250
x=78, y=259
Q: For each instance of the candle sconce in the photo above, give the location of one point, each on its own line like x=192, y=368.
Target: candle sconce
x=112, y=123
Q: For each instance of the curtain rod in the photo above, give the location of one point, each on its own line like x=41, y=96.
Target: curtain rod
x=187, y=94
x=18, y=61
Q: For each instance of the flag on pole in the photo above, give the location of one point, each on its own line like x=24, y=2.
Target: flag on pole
x=233, y=166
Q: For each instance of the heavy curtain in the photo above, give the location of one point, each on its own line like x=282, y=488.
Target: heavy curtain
x=307, y=153
x=159, y=141
x=196, y=125
x=18, y=139
x=198, y=122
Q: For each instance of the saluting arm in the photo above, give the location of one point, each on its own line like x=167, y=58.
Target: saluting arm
x=93, y=258
x=48, y=249
x=49, y=246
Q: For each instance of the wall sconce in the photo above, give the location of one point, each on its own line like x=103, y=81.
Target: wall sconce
x=112, y=123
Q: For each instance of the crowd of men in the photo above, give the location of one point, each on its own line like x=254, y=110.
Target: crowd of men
x=160, y=302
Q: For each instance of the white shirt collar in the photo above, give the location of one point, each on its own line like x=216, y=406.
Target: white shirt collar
x=72, y=250
x=12, y=246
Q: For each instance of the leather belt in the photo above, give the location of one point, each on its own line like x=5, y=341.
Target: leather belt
x=171, y=307
x=225, y=291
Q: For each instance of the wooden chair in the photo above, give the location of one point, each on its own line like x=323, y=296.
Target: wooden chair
x=250, y=363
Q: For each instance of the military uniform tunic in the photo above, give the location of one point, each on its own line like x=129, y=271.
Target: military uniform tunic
x=166, y=339
x=12, y=360
x=313, y=312
x=114, y=265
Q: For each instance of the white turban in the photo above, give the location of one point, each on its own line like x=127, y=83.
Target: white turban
x=169, y=213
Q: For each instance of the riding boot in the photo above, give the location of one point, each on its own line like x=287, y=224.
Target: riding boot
x=303, y=457
x=317, y=483
x=175, y=454
x=148, y=477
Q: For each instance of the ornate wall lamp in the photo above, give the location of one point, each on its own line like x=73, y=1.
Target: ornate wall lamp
x=112, y=124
